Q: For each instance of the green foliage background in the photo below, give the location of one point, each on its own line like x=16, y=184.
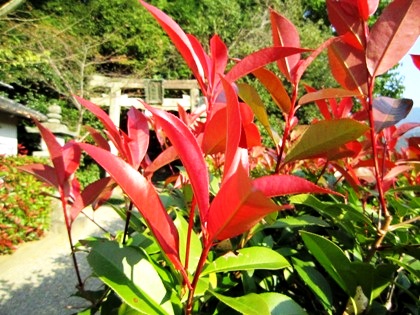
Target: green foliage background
x=49, y=49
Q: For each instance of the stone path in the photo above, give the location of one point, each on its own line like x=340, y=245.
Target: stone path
x=39, y=278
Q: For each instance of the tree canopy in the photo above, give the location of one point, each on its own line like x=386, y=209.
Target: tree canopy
x=48, y=49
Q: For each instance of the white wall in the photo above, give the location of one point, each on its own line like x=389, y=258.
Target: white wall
x=8, y=134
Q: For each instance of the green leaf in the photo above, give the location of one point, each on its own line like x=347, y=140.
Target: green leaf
x=324, y=136
x=249, y=258
x=129, y=273
x=413, y=267
x=294, y=222
x=195, y=244
x=280, y=304
x=333, y=259
x=250, y=96
x=315, y=281
x=250, y=304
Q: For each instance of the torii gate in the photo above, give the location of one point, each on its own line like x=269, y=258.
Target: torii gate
x=153, y=90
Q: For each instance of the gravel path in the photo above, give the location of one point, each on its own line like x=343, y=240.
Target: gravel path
x=39, y=279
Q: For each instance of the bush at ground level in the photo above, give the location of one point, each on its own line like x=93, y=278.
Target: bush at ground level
x=24, y=204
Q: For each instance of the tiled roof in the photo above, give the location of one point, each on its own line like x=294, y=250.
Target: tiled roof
x=9, y=106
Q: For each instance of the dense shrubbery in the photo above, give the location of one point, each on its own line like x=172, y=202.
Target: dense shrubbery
x=326, y=222
x=24, y=204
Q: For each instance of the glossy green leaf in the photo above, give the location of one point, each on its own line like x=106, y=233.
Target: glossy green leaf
x=250, y=96
x=129, y=273
x=294, y=222
x=324, y=136
x=280, y=304
x=250, y=304
x=248, y=258
x=413, y=267
x=195, y=244
x=315, y=281
x=333, y=259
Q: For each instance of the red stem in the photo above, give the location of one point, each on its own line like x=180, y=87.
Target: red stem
x=68, y=228
x=201, y=262
x=287, y=128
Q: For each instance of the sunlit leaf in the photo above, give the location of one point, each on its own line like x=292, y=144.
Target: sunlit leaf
x=179, y=39
x=367, y=8
x=55, y=150
x=144, y=196
x=88, y=196
x=344, y=16
x=43, y=172
x=280, y=304
x=333, y=259
x=232, y=214
x=315, y=281
x=249, y=258
x=275, y=87
x=190, y=154
x=129, y=273
x=348, y=66
x=250, y=96
x=323, y=136
x=250, y=304
x=281, y=185
x=285, y=34
x=195, y=248
x=138, y=132
x=260, y=59
x=325, y=94
x=388, y=111
x=392, y=35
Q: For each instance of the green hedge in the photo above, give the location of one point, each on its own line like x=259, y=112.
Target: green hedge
x=24, y=204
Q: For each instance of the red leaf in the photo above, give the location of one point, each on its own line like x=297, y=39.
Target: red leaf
x=237, y=207
x=281, y=185
x=214, y=138
x=416, y=60
x=164, y=158
x=285, y=34
x=219, y=57
x=275, y=87
x=111, y=129
x=403, y=128
x=55, y=150
x=348, y=66
x=367, y=8
x=179, y=39
x=234, y=128
x=71, y=158
x=260, y=59
x=322, y=104
x=344, y=16
x=388, y=111
x=190, y=154
x=325, y=94
x=304, y=64
x=88, y=196
x=138, y=132
x=45, y=173
x=144, y=196
x=392, y=35
x=98, y=138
